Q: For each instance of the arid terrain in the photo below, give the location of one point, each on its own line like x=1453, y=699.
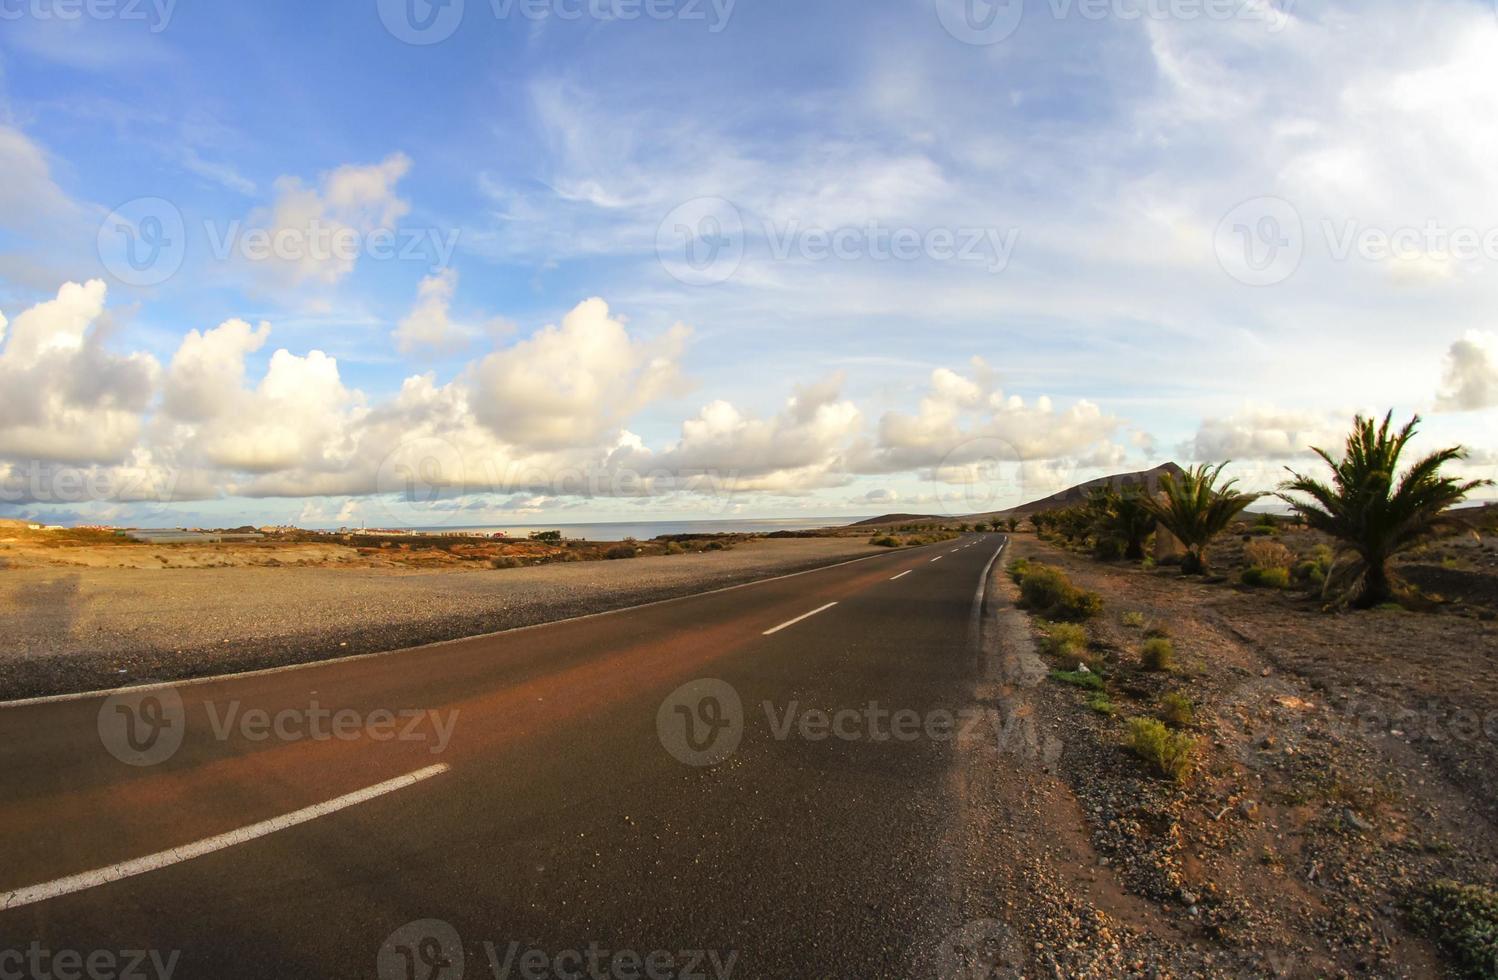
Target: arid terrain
x=86, y=610
x=1342, y=765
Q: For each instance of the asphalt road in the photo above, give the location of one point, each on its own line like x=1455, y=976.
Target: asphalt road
x=709, y=786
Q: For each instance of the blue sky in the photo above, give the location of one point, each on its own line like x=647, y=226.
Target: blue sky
x=943, y=262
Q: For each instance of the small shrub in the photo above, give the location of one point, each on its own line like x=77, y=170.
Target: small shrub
x=1169, y=753
x=672, y=548
x=505, y=561
x=621, y=551
x=1158, y=653
x=716, y=546
x=1076, y=678
x=1101, y=704
x=1018, y=568
x=1268, y=554
x=885, y=541
x=1157, y=631
x=548, y=536
x=1309, y=574
x=1462, y=920
x=1047, y=591
x=1108, y=549
x=1134, y=620
x=1176, y=709
x=1266, y=578
x=1064, y=639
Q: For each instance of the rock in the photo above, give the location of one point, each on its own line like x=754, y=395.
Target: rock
x=1249, y=808
x=1356, y=822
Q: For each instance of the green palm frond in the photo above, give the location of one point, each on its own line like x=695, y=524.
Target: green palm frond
x=1374, y=513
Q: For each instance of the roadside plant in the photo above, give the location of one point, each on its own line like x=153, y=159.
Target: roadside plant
x=1197, y=508
x=1176, y=709
x=1157, y=654
x=1124, y=519
x=1168, y=753
x=1373, y=513
x=1463, y=920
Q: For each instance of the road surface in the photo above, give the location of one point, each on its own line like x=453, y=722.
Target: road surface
x=755, y=782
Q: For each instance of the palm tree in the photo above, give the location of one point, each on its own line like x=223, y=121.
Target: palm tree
x=1374, y=517
x=1196, y=509
x=1124, y=517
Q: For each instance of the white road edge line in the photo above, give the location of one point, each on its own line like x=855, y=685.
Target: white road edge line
x=975, y=621
x=153, y=862
x=903, y=574
x=798, y=619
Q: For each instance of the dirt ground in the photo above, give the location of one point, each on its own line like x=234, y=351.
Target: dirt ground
x=1342, y=762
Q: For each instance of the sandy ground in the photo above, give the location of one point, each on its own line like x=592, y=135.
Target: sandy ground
x=81, y=627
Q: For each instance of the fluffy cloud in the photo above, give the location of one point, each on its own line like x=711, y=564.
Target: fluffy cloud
x=966, y=422
x=540, y=421
x=799, y=449
x=63, y=397
x=309, y=227
x=429, y=325
x=1471, y=380
x=572, y=385
x=1264, y=433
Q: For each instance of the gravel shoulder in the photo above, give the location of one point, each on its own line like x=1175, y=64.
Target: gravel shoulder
x=77, y=628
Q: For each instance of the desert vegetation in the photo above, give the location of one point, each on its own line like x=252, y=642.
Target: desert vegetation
x=1373, y=512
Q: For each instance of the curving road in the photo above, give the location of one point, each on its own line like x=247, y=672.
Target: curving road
x=755, y=782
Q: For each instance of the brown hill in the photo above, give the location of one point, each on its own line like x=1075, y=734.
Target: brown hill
x=1150, y=479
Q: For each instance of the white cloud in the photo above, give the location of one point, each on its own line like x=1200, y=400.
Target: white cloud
x=964, y=422
x=799, y=449
x=1262, y=432
x=429, y=326
x=1471, y=380
x=572, y=385
x=310, y=226
x=63, y=397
